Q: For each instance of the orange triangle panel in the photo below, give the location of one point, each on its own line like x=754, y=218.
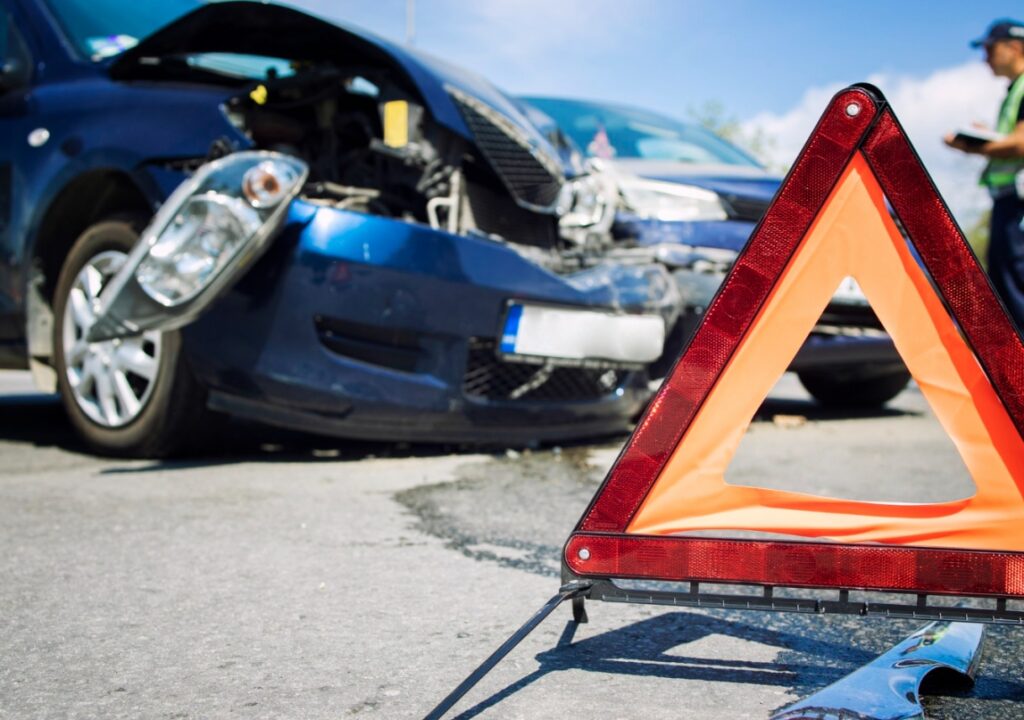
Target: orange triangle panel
x=829, y=221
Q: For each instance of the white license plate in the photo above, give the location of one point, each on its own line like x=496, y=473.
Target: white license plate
x=561, y=334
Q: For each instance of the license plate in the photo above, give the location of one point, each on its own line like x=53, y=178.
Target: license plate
x=575, y=336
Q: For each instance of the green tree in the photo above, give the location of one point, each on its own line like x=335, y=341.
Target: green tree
x=713, y=116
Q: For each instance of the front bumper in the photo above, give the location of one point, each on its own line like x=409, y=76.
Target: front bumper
x=365, y=327
x=849, y=336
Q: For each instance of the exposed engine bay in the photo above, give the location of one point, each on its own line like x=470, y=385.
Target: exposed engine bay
x=389, y=132
x=395, y=135
x=372, y=147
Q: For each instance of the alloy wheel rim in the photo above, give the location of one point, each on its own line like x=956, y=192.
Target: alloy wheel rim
x=110, y=381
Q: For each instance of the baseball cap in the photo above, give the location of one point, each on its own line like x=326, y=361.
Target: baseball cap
x=1005, y=29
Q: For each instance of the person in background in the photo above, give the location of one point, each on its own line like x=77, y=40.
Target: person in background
x=1004, y=174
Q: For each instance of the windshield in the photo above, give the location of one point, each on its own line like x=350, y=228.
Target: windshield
x=616, y=131
x=102, y=28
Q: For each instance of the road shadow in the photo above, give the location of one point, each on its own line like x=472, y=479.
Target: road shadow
x=39, y=420
x=650, y=648
x=812, y=411
x=808, y=660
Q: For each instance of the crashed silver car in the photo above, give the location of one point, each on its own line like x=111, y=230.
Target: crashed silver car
x=691, y=200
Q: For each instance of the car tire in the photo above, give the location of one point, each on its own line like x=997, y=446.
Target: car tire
x=133, y=396
x=861, y=387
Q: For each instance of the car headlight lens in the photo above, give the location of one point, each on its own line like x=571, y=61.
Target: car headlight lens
x=201, y=239
x=670, y=202
x=204, y=225
x=586, y=207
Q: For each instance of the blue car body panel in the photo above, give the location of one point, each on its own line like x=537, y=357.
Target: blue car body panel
x=726, y=234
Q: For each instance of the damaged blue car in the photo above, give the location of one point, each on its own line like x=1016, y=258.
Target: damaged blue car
x=239, y=208
x=691, y=199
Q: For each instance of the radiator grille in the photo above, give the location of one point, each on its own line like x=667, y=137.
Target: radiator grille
x=531, y=177
x=491, y=378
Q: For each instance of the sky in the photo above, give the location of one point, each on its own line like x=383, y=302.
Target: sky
x=771, y=66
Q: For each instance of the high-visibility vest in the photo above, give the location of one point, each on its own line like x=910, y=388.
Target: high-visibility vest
x=1001, y=172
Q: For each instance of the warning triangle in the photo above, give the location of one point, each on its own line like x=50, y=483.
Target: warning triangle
x=828, y=221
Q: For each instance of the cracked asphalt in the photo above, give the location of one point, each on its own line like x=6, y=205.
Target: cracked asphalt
x=295, y=577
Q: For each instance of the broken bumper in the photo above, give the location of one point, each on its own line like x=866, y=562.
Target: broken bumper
x=367, y=327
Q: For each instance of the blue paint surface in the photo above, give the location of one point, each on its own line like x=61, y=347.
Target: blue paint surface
x=511, y=332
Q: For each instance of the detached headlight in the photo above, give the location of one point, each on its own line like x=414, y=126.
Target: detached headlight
x=223, y=209
x=205, y=234
x=670, y=202
x=209, y=231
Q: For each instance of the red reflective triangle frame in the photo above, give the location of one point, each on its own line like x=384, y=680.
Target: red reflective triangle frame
x=858, y=120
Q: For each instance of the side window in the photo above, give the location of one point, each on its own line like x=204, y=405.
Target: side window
x=15, y=61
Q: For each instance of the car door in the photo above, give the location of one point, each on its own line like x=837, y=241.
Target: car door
x=15, y=82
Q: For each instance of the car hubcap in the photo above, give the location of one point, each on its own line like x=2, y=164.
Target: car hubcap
x=111, y=381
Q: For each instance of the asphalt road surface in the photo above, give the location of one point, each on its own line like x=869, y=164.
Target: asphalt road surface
x=294, y=577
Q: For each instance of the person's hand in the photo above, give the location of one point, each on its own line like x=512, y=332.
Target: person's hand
x=955, y=143
x=958, y=143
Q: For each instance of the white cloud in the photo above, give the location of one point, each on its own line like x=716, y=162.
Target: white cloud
x=928, y=108
x=534, y=46
x=537, y=46
x=534, y=27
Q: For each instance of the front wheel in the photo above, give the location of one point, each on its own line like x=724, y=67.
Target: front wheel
x=130, y=396
x=861, y=387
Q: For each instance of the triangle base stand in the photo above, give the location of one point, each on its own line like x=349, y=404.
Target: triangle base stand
x=830, y=601
x=574, y=591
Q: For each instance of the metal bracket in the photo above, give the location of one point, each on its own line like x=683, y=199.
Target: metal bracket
x=768, y=599
x=573, y=590
x=579, y=610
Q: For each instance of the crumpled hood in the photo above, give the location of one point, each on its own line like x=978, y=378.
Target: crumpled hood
x=730, y=181
x=256, y=28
